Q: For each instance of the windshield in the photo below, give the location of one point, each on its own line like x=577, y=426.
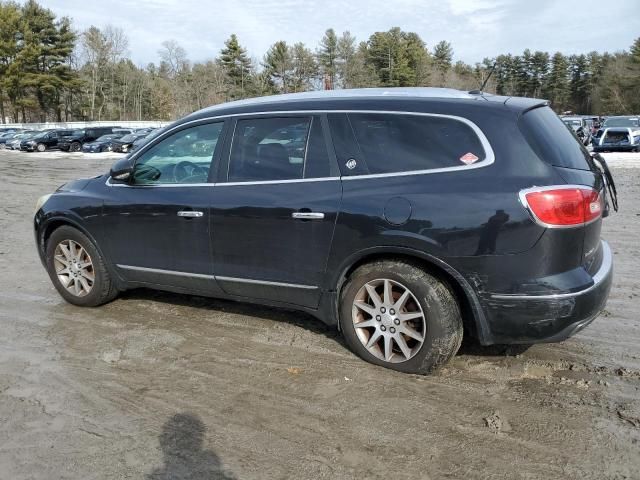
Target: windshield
x=622, y=122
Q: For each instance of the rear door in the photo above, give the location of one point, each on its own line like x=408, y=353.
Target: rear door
x=274, y=210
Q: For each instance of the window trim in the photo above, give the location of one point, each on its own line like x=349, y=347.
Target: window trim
x=489, y=160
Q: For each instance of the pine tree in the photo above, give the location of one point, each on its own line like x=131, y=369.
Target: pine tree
x=556, y=87
x=278, y=62
x=304, y=68
x=237, y=65
x=328, y=57
x=442, y=58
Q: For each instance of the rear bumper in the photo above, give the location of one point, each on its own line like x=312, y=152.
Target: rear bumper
x=615, y=148
x=549, y=317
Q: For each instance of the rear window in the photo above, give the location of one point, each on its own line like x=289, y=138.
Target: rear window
x=552, y=141
x=393, y=143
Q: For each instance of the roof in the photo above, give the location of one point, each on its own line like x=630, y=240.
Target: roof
x=401, y=92
x=409, y=98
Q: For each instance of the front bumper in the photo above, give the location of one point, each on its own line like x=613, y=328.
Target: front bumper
x=549, y=317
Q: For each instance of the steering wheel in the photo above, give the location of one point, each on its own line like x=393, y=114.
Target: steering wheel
x=186, y=170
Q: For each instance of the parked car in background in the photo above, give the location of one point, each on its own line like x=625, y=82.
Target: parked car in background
x=102, y=144
x=45, y=140
x=7, y=135
x=622, y=139
x=581, y=127
x=14, y=143
x=400, y=216
x=629, y=121
x=125, y=143
x=144, y=139
x=74, y=141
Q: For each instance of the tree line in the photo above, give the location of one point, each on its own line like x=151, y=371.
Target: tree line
x=51, y=72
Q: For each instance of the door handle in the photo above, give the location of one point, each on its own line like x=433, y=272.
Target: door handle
x=190, y=214
x=308, y=215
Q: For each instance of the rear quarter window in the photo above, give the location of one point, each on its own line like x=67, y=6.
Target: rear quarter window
x=393, y=143
x=552, y=141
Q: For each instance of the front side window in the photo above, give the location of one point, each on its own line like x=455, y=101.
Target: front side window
x=184, y=157
x=393, y=143
x=269, y=149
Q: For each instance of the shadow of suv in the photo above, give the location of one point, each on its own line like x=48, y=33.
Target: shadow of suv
x=404, y=217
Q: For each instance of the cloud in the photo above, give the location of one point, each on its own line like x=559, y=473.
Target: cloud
x=476, y=28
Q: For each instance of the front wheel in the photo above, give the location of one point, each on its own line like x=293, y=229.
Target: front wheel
x=41, y=147
x=395, y=314
x=75, y=147
x=77, y=269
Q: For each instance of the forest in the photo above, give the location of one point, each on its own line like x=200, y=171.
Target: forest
x=49, y=71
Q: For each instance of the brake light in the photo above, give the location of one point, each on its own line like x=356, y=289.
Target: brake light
x=563, y=206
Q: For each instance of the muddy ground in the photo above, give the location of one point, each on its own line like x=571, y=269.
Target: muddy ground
x=157, y=385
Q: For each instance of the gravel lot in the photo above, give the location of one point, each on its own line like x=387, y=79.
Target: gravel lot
x=158, y=385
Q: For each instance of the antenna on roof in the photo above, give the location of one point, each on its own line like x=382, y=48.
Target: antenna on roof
x=484, y=84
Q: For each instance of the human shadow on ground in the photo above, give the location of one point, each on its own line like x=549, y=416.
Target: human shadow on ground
x=182, y=442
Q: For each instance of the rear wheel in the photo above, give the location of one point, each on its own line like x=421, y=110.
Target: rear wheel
x=394, y=314
x=75, y=147
x=77, y=269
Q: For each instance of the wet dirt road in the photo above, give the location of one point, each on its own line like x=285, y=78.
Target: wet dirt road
x=156, y=385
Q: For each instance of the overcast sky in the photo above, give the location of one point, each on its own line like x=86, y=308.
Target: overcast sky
x=476, y=28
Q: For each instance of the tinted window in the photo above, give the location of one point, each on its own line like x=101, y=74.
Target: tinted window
x=551, y=141
x=269, y=149
x=401, y=143
x=184, y=157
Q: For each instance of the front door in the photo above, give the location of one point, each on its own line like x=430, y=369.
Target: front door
x=274, y=210
x=157, y=225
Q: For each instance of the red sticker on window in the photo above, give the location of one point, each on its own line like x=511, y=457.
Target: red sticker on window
x=468, y=158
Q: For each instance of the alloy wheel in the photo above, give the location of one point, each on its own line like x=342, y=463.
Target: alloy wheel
x=74, y=267
x=389, y=320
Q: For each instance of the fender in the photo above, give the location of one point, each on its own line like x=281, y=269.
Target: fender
x=41, y=223
x=336, y=281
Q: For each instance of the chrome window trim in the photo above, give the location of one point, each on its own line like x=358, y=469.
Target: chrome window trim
x=215, y=277
x=489, y=159
x=598, y=277
x=522, y=196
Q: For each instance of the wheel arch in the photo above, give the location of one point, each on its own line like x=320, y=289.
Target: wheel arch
x=51, y=224
x=472, y=314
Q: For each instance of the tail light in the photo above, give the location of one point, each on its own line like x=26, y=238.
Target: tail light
x=564, y=205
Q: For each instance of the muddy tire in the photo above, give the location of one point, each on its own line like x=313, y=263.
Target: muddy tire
x=77, y=269
x=75, y=147
x=395, y=314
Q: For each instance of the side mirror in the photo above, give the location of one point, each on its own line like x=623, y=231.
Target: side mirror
x=121, y=170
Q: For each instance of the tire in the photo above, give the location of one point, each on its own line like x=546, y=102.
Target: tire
x=102, y=289
x=441, y=326
x=41, y=147
x=75, y=147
